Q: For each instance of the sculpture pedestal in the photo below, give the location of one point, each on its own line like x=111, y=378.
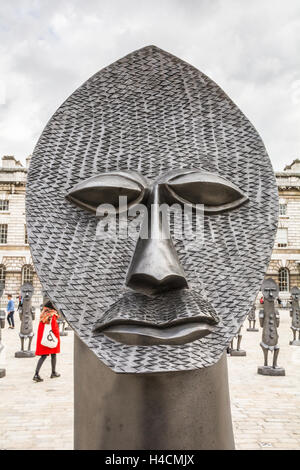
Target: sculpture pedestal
x=2, y=373
x=268, y=370
x=171, y=410
x=295, y=343
x=25, y=354
x=237, y=352
x=252, y=329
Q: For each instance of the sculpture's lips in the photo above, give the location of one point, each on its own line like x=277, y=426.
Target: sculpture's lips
x=175, y=317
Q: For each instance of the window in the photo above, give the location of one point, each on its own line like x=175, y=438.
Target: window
x=282, y=237
x=3, y=233
x=2, y=274
x=25, y=235
x=282, y=209
x=4, y=205
x=27, y=273
x=284, y=280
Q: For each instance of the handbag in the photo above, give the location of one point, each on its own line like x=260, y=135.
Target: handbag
x=49, y=339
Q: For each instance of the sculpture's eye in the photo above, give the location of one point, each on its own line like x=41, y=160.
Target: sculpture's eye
x=107, y=188
x=214, y=192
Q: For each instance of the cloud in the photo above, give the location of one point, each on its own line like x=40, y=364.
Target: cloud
x=48, y=48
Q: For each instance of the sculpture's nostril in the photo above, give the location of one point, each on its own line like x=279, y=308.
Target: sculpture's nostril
x=150, y=285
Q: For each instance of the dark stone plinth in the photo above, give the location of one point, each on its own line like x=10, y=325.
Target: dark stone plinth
x=25, y=354
x=295, y=343
x=267, y=370
x=235, y=352
x=252, y=329
x=2, y=373
x=167, y=410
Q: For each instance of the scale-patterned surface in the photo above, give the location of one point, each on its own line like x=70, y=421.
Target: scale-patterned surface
x=153, y=113
x=172, y=307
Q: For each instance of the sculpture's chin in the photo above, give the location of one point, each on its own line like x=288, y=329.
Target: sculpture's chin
x=141, y=335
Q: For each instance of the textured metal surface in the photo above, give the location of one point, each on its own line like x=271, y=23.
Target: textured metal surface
x=153, y=113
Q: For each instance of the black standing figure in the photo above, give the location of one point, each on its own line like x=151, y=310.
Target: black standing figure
x=295, y=314
x=27, y=315
x=252, y=319
x=269, y=321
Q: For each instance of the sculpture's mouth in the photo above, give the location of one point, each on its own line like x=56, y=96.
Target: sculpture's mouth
x=176, y=317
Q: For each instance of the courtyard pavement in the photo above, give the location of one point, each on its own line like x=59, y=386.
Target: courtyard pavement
x=265, y=410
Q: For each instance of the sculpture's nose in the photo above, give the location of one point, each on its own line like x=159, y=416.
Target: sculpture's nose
x=155, y=266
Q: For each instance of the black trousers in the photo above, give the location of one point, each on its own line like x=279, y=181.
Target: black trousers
x=42, y=360
x=10, y=319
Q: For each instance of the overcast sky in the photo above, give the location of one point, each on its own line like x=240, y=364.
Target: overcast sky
x=250, y=48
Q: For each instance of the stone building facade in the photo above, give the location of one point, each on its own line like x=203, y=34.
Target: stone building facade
x=284, y=267
x=16, y=264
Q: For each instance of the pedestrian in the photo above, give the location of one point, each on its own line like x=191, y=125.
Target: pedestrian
x=20, y=301
x=48, y=316
x=10, y=311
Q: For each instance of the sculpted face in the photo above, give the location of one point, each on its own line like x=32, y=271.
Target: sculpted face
x=295, y=293
x=27, y=291
x=145, y=134
x=269, y=289
x=155, y=269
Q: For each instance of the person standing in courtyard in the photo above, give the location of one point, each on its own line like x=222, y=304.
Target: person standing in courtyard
x=10, y=311
x=48, y=340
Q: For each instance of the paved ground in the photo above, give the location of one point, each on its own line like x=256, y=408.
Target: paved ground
x=265, y=410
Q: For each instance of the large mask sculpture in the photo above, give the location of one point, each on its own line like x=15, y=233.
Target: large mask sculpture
x=155, y=130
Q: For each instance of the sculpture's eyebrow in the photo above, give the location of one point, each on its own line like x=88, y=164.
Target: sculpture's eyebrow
x=107, y=188
x=216, y=193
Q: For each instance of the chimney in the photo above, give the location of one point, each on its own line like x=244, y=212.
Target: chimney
x=8, y=161
x=28, y=161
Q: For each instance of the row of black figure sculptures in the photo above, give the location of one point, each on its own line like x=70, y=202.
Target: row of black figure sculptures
x=269, y=320
x=27, y=316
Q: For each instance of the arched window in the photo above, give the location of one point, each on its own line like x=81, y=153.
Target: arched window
x=2, y=273
x=284, y=280
x=27, y=273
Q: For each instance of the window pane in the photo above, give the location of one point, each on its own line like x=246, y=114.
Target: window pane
x=3, y=233
x=282, y=237
x=27, y=273
x=2, y=273
x=283, y=280
x=282, y=209
x=4, y=205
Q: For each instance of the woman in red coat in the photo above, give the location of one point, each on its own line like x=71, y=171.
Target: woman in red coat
x=48, y=315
